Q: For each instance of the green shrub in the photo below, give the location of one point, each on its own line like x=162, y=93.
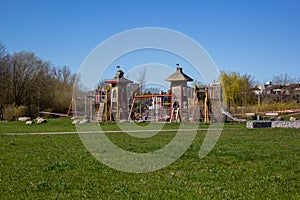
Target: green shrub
x=19, y=111
x=12, y=112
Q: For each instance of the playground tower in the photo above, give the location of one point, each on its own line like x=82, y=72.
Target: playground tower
x=182, y=95
x=119, y=96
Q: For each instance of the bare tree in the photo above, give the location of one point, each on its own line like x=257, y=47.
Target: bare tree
x=283, y=79
x=152, y=90
x=5, y=79
x=27, y=80
x=62, y=82
x=3, y=51
x=142, y=80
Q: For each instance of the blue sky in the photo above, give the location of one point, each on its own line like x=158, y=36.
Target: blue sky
x=260, y=38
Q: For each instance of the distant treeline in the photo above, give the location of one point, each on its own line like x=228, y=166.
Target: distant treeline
x=34, y=84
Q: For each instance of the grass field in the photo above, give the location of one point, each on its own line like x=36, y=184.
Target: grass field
x=64, y=125
x=245, y=164
x=52, y=125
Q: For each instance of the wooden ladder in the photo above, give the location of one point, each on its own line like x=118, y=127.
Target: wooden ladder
x=177, y=115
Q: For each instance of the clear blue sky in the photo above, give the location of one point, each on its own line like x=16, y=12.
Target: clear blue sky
x=257, y=37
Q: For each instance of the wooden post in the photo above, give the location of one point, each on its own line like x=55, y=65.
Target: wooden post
x=111, y=101
x=131, y=109
x=91, y=108
x=156, y=107
x=106, y=104
x=206, y=111
x=85, y=109
x=117, y=101
x=161, y=106
x=171, y=104
x=181, y=102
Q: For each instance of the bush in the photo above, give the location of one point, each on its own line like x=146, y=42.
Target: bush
x=8, y=112
x=19, y=111
x=12, y=112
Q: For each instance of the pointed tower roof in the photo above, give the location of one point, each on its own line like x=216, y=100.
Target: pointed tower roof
x=178, y=76
x=118, y=78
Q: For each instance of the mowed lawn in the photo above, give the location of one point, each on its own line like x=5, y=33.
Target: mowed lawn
x=52, y=125
x=244, y=164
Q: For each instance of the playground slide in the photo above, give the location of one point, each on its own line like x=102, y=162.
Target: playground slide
x=228, y=114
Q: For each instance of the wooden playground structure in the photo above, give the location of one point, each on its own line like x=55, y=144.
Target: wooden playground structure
x=120, y=100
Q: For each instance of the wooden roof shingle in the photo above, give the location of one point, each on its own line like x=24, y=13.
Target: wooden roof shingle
x=178, y=76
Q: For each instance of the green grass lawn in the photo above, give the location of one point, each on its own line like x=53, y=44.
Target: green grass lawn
x=65, y=125
x=52, y=125
x=245, y=164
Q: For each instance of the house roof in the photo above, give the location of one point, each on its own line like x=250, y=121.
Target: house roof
x=284, y=87
x=178, y=76
x=273, y=87
x=292, y=86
